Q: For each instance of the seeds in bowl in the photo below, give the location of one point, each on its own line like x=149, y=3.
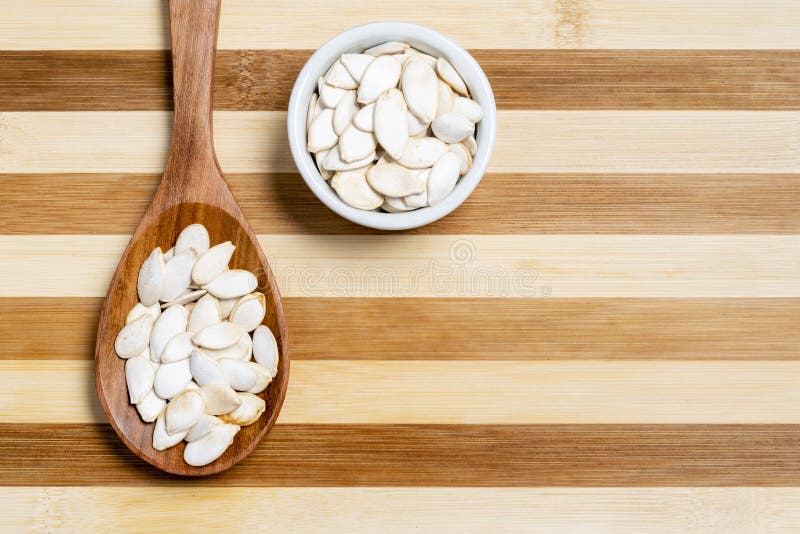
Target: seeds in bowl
x=188, y=345
x=392, y=128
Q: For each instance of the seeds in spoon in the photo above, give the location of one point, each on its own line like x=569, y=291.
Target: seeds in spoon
x=202, y=427
x=151, y=278
x=265, y=349
x=178, y=275
x=163, y=440
x=241, y=350
x=139, y=375
x=140, y=309
x=211, y=446
x=134, y=337
x=249, y=311
x=178, y=348
x=205, y=313
x=188, y=297
x=263, y=378
x=238, y=374
x=219, y=399
x=205, y=370
x=219, y=335
x=231, y=284
x=194, y=236
x=172, y=378
x=248, y=411
x=170, y=323
x=212, y=263
x=184, y=411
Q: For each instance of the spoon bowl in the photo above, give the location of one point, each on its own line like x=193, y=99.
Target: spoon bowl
x=192, y=190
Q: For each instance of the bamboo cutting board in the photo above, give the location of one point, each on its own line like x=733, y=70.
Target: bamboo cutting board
x=604, y=337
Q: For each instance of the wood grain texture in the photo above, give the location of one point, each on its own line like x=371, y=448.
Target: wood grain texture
x=192, y=191
x=430, y=455
x=407, y=265
x=499, y=329
x=679, y=24
x=444, y=510
x=606, y=141
x=502, y=204
x=256, y=80
x=473, y=392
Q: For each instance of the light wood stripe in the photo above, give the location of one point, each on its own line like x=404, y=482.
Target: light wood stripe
x=503, y=204
x=678, y=24
x=457, y=510
x=566, y=141
x=579, y=266
x=429, y=455
x=253, y=80
x=501, y=329
x=468, y=392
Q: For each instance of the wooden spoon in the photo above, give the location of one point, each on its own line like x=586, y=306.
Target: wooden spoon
x=192, y=190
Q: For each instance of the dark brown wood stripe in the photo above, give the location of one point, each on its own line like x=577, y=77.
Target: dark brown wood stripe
x=431, y=455
x=502, y=204
x=78, y=80
x=679, y=329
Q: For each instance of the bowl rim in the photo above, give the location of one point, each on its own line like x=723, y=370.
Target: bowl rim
x=357, y=39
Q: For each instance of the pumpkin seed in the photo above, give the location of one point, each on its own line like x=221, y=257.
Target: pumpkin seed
x=334, y=161
x=420, y=89
x=162, y=440
x=391, y=121
x=363, y=119
x=344, y=112
x=188, y=297
x=416, y=55
x=151, y=278
x=313, y=110
x=172, y=378
x=202, y=427
x=356, y=64
x=442, y=178
x=219, y=335
x=225, y=307
x=134, y=337
x=321, y=135
x=248, y=412
x=338, y=76
x=415, y=126
x=219, y=399
x=139, y=375
x=444, y=99
x=394, y=180
x=194, y=236
x=450, y=76
x=319, y=158
x=395, y=205
x=249, y=311
x=355, y=145
x=205, y=313
x=470, y=144
x=382, y=74
x=171, y=322
x=205, y=369
x=241, y=350
x=263, y=378
x=392, y=47
x=168, y=255
x=238, y=374
x=210, y=447
x=452, y=127
x=178, y=275
x=469, y=108
x=464, y=157
x=265, y=349
x=419, y=200
x=329, y=95
x=150, y=407
x=422, y=152
x=178, y=348
x=353, y=189
x=212, y=263
x=231, y=284
x=140, y=309
x=183, y=412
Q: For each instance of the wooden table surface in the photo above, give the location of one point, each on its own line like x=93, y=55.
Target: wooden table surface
x=605, y=336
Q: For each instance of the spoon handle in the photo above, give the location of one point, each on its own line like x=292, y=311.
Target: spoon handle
x=193, y=29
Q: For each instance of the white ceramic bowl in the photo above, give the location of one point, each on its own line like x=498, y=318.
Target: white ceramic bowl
x=357, y=40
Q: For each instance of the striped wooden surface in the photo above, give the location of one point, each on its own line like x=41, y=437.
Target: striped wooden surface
x=605, y=337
